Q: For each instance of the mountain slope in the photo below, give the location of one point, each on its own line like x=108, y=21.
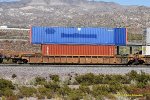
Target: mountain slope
x=73, y=13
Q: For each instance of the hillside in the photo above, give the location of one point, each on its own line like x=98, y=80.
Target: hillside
x=74, y=13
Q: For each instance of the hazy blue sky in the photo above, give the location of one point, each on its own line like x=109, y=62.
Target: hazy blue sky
x=8, y=0
x=123, y=2
x=130, y=2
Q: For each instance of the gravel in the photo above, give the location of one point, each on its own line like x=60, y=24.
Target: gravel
x=27, y=72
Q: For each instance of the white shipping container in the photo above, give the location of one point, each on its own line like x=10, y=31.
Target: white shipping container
x=145, y=50
x=148, y=36
x=3, y=27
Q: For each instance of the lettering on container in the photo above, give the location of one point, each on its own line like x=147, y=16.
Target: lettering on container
x=77, y=35
x=50, y=31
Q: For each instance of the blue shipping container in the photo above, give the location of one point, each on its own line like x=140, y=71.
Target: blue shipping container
x=120, y=36
x=65, y=35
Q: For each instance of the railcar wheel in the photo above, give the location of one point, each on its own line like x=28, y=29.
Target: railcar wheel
x=130, y=62
x=25, y=61
x=19, y=62
x=1, y=61
x=134, y=62
x=141, y=62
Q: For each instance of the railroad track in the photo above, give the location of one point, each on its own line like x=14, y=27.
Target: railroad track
x=71, y=65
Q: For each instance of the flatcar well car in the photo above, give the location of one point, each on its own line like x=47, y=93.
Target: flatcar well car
x=70, y=45
x=86, y=45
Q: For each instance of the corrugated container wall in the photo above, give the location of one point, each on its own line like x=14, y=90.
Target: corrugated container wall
x=148, y=36
x=120, y=36
x=77, y=50
x=92, y=36
x=145, y=50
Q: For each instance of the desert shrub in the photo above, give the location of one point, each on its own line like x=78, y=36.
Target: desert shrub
x=49, y=96
x=54, y=78
x=141, y=79
x=42, y=92
x=14, y=76
x=99, y=97
x=64, y=90
x=40, y=81
x=75, y=94
x=141, y=85
x=90, y=79
x=100, y=90
x=8, y=92
x=129, y=88
x=84, y=89
x=107, y=79
x=6, y=84
x=85, y=79
x=115, y=86
x=120, y=78
x=98, y=79
x=54, y=86
x=27, y=91
x=3, y=98
x=39, y=96
x=133, y=75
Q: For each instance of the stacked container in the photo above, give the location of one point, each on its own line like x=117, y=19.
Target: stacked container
x=146, y=48
x=70, y=41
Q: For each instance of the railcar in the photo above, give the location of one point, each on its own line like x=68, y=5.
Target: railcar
x=63, y=45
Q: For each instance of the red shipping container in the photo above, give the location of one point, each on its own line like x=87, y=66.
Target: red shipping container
x=78, y=50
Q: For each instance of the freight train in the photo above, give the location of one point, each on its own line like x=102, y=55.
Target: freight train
x=70, y=45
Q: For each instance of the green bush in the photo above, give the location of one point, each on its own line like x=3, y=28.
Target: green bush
x=3, y=98
x=100, y=90
x=54, y=86
x=6, y=84
x=49, y=96
x=27, y=91
x=133, y=75
x=14, y=76
x=98, y=79
x=90, y=79
x=84, y=89
x=120, y=78
x=39, y=96
x=40, y=81
x=8, y=92
x=54, y=78
x=129, y=88
x=99, y=97
x=75, y=94
x=115, y=86
x=87, y=79
x=107, y=79
x=141, y=85
x=64, y=90
x=143, y=78
x=43, y=90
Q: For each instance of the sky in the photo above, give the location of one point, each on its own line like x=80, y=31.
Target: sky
x=130, y=2
x=122, y=2
x=8, y=0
